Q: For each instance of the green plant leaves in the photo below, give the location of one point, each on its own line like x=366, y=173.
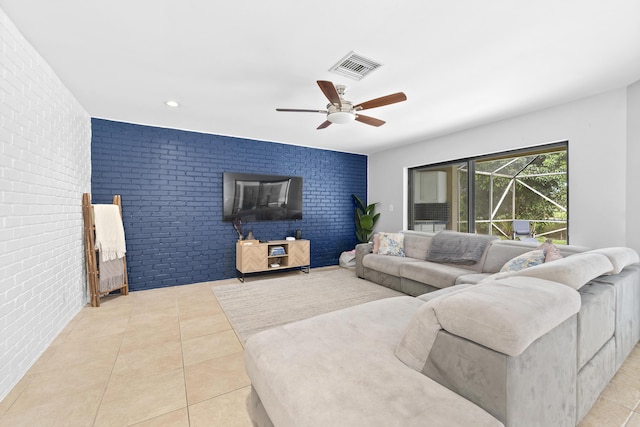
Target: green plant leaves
x=365, y=219
x=366, y=222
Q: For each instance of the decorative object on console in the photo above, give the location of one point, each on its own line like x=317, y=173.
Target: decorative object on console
x=237, y=225
x=250, y=235
x=276, y=250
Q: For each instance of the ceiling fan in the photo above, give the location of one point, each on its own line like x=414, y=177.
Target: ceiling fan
x=339, y=110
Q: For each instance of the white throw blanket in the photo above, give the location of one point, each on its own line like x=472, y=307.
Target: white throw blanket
x=109, y=232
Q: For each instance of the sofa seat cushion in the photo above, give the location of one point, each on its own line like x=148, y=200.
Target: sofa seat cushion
x=339, y=369
x=387, y=264
x=433, y=273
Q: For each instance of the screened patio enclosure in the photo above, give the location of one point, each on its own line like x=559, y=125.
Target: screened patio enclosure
x=486, y=195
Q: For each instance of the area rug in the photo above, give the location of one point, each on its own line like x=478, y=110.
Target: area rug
x=266, y=303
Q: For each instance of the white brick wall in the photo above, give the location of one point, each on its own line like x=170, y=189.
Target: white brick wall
x=45, y=166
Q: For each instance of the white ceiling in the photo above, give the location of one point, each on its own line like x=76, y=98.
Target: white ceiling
x=230, y=64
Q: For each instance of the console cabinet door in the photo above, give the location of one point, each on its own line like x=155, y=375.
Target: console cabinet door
x=251, y=258
x=299, y=253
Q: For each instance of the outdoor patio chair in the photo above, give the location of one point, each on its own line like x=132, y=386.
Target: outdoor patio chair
x=521, y=229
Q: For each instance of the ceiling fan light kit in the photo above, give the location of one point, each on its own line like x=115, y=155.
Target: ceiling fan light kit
x=342, y=114
x=341, y=111
x=341, y=117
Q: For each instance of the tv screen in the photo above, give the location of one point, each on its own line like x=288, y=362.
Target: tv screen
x=261, y=197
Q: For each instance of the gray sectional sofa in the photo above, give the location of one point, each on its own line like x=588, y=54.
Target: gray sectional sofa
x=413, y=275
x=471, y=346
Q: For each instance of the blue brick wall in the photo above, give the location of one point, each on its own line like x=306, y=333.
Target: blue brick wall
x=171, y=187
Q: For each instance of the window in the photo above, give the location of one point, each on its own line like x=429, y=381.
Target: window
x=496, y=194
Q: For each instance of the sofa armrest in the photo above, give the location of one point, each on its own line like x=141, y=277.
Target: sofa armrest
x=362, y=249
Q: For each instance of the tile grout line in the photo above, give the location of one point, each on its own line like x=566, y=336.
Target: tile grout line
x=631, y=414
x=17, y=397
x=113, y=367
x=184, y=368
x=228, y=320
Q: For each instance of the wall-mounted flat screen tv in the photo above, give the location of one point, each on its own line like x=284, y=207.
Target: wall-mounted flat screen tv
x=253, y=197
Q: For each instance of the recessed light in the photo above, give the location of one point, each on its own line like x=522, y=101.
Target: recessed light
x=173, y=104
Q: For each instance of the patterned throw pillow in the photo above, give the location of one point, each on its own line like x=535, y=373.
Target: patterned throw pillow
x=391, y=244
x=528, y=259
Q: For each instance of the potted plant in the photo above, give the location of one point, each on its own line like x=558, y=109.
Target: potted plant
x=365, y=219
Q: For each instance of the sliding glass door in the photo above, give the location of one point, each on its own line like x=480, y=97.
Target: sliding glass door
x=517, y=195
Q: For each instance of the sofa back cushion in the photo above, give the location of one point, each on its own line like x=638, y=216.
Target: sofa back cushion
x=451, y=247
x=574, y=271
x=501, y=251
x=416, y=244
x=526, y=260
x=620, y=257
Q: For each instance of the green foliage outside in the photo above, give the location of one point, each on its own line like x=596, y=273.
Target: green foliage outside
x=545, y=173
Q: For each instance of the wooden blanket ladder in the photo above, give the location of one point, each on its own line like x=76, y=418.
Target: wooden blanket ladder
x=91, y=253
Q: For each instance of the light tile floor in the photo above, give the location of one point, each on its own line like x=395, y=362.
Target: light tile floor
x=169, y=357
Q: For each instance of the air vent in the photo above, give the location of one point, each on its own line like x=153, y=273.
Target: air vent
x=355, y=66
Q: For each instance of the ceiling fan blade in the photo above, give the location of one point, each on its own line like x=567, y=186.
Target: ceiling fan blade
x=330, y=92
x=297, y=110
x=369, y=120
x=325, y=124
x=384, y=100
